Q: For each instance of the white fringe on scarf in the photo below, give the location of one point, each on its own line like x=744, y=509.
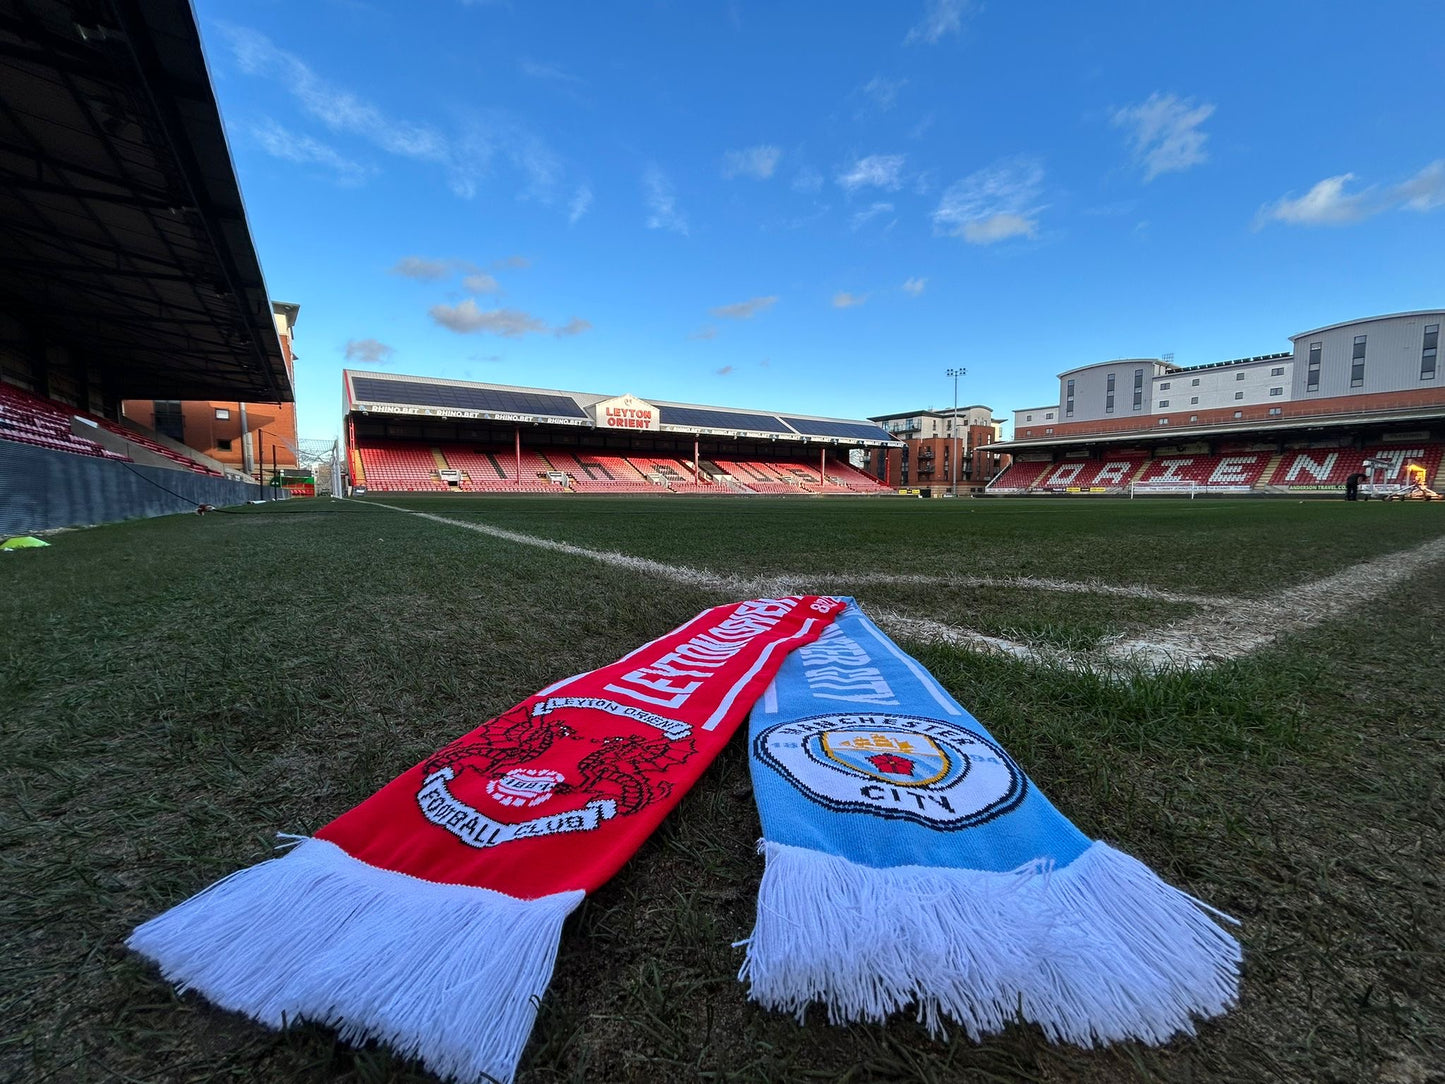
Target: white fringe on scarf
x=1098, y=951
x=445, y=973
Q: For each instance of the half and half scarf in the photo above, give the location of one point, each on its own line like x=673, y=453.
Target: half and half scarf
x=909, y=861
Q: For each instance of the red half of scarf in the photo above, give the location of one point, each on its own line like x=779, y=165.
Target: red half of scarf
x=557, y=793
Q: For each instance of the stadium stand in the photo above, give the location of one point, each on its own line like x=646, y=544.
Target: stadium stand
x=1021, y=476
x=407, y=466
x=1207, y=472
x=584, y=442
x=45, y=423
x=30, y=419
x=400, y=467
x=155, y=446
x=1302, y=469
x=851, y=478
x=1328, y=468
x=677, y=476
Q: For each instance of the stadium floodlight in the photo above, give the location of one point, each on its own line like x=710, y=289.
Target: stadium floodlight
x=955, y=373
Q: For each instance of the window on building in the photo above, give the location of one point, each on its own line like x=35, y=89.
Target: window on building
x=1312, y=378
x=1138, y=389
x=1278, y=370
x=1194, y=383
x=1276, y=391
x=223, y=445
x=222, y=414
x=1028, y=417
x=1049, y=416
x=1239, y=395
x=1194, y=417
x=169, y=420
x=1238, y=376
x=1164, y=386
x=1163, y=421
x=1239, y=413
x=1428, y=351
x=1163, y=403
x=1194, y=400
x=1109, y=394
x=1357, y=363
x=1069, y=400
x=1048, y=432
x=1276, y=411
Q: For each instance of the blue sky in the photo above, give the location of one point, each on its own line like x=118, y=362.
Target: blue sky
x=821, y=207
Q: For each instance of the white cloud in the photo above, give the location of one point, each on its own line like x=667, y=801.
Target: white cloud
x=861, y=218
x=480, y=283
x=1328, y=203
x=580, y=204
x=1426, y=190
x=465, y=318
x=914, y=286
x=940, y=17
x=993, y=203
x=279, y=142
x=1165, y=132
x=807, y=180
x=533, y=69
x=745, y=310
x=485, y=137
x=662, y=212
x=756, y=162
x=370, y=351
x=574, y=326
x=877, y=171
x=999, y=227
x=338, y=109
x=844, y=300
x=883, y=93
x=427, y=269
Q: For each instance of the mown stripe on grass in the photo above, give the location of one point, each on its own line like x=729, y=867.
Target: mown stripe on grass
x=1229, y=628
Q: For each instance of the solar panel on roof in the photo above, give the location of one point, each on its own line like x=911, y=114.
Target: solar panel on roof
x=451, y=397
x=849, y=430
x=722, y=419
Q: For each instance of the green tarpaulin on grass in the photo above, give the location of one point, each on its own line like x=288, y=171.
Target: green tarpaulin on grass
x=24, y=542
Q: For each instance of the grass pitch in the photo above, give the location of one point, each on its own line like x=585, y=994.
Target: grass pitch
x=175, y=691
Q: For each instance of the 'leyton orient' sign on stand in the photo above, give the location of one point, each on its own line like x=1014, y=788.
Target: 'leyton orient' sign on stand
x=627, y=412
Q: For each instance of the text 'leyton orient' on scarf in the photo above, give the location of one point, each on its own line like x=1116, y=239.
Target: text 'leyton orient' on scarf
x=428, y=917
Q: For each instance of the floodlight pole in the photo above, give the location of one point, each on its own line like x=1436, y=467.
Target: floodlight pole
x=955, y=373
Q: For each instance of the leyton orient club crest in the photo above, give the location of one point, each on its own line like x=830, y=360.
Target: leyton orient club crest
x=490, y=788
x=903, y=767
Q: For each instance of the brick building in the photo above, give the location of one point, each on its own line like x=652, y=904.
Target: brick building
x=926, y=461
x=252, y=438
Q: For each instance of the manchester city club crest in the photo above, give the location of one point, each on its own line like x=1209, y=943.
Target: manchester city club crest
x=902, y=767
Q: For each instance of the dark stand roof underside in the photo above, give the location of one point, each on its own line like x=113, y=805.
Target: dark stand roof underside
x=726, y=420
x=369, y=389
x=845, y=430
x=122, y=231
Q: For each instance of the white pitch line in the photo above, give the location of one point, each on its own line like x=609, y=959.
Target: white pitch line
x=1230, y=629
x=1250, y=624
